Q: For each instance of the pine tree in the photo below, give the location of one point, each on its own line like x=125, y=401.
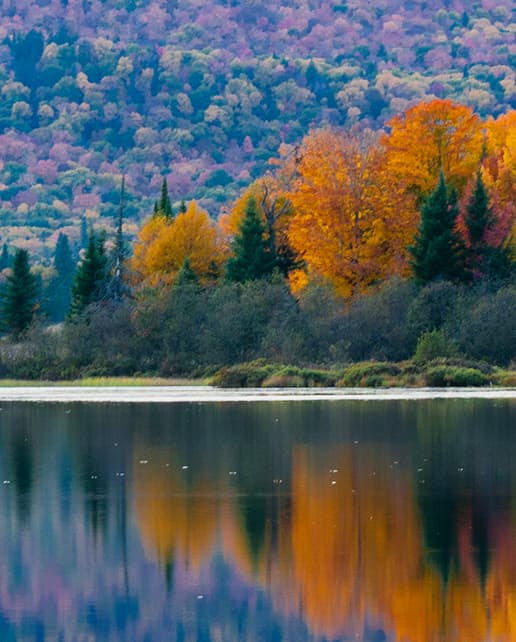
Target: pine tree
x=438, y=251
x=89, y=283
x=20, y=295
x=5, y=259
x=251, y=256
x=483, y=259
x=182, y=207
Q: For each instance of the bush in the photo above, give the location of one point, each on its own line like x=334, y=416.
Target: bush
x=368, y=374
x=446, y=376
x=244, y=375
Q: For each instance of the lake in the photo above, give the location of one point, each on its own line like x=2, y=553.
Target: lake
x=316, y=520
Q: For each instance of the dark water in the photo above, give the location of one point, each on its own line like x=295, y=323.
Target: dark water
x=372, y=521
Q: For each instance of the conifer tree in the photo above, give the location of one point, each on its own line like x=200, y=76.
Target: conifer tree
x=63, y=261
x=20, y=295
x=119, y=251
x=164, y=207
x=89, y=283
x=438, y=251
x=251, y=256
x=5, y=259
x=182, y=207
x=59, y=290
x=186, y=275
x=491, y=261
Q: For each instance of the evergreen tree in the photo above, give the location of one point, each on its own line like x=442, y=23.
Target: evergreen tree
x=5, y=259
x=89, y=283
x=20, y=295
x=164, y=207
x=84, y=233
x=483, y=259
x=186, y=275
x=251, y=255
x=119, y=251
x=438, y=251
x=63, y=261
x=59, y=289
x=182, y=207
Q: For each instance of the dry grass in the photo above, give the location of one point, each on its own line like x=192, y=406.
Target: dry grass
x=103, y=382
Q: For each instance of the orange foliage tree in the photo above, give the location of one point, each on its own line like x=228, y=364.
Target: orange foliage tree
x=163, y=245
x=499, y=172
x=352, y=222
x=430, y=137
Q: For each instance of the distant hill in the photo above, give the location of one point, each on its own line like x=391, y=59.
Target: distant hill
x=205, y=92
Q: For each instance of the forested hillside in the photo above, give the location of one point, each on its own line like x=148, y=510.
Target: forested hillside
x=205, y=92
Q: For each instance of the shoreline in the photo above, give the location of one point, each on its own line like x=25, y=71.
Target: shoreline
x=209, y=394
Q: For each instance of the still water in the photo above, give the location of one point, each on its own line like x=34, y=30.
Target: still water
x=271, y=521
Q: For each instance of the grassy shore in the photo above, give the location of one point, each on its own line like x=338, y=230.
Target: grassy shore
x=440, y=373
x=103, y=382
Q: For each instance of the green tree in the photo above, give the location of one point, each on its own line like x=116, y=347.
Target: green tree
x=59, y=289
x=164, y=206
x=5, y=259
x=485, y=260
x=90, y=279
x=251, y=255
x=20, y=295
x=186, y=275
x=438, y=251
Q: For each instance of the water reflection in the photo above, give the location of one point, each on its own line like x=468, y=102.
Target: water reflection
x=317, y=521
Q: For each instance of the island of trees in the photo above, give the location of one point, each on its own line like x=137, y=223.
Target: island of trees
x=395, y=248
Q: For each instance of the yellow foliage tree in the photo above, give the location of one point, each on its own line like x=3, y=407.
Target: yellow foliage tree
x=351, y=223
x=430, y=137
x=163, y=245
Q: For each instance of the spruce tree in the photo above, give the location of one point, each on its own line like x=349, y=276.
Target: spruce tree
x=438, y=251
x=59, y=290
x=489, y=261
x=20, y=295
x=5, y=259
x=182, y=207
x=186, y=275
x=164, y=205
x=90, y=279
x=251, y=256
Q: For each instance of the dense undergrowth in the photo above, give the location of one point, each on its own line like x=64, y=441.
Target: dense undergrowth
x=439, y=335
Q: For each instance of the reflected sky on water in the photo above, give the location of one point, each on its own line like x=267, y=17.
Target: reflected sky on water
x=322, y=521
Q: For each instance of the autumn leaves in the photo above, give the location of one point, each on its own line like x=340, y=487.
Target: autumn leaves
x=348, y=203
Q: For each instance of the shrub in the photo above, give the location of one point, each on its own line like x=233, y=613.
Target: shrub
x=360, y=374
x=446, y=376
